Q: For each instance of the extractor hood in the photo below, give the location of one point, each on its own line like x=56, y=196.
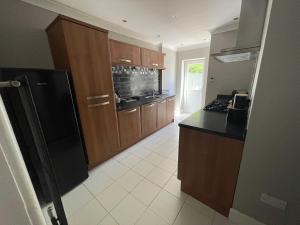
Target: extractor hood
x=251, y=24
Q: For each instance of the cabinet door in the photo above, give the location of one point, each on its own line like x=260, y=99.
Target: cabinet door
x=146, y=57
x=161, y=113
x=129, y=126
x=161, y=60
x=149, y=113
x=170, y=109
x=88, y=53
x=122, y=53
x=152, y=59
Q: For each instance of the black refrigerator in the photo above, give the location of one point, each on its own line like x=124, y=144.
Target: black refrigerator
x=41, y=109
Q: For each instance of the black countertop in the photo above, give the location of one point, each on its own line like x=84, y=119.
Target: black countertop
x=130, y=105
x=214, y=123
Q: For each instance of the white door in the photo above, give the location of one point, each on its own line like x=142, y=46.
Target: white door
x=193, y=79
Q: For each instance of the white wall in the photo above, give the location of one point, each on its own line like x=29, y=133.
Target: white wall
x=23, y=40
x=184, y=55
x=223, y=78
x=169, y=74
x=271, y=155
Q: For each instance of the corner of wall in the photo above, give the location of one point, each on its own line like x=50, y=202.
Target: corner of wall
x=239, y=218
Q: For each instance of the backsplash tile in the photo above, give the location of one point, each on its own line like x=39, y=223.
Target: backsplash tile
x=134, y=81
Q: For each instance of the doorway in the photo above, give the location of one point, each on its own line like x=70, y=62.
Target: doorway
x=193, y=83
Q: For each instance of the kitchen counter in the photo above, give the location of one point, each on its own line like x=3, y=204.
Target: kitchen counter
x=142, y=101
x=214, y=123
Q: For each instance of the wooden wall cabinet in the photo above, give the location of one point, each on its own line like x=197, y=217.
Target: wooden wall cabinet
x=170, y=109
x=162, y=113
x=129, y=126
x=122, y=53
x=208, y=167
x=152, y=59
x=127, y=54
x=83, y=51
x=149, y=117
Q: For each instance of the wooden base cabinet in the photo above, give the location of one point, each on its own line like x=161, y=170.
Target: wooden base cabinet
x=129, y=126
x=208, y=167
x=83, y=51
x=162, y=114
x=170, y=109
x=149, y=115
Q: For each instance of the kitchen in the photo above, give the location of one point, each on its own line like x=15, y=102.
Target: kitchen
x=106, y=125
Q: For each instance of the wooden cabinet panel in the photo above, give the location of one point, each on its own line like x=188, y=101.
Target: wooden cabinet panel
x=149, y=114
x=146, y=57
x=170, y=109
x=129, y=126
x=152, y=58
x=162, y=114
x=122, y=53
x=208, y=167
x=87, y=61
x=161, y=60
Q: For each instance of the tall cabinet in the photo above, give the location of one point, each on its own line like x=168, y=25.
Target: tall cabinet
x=83, y=51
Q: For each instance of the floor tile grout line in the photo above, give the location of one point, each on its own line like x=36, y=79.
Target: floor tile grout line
x=106, y=189
x=95, y=197
x=85, y=204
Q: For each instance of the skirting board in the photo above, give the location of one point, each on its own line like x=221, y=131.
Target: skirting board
x=242, y=219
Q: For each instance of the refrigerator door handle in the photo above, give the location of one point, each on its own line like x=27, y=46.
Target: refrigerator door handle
x=10, y=83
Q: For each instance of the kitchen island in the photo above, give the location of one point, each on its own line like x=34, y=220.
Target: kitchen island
x=210, y=152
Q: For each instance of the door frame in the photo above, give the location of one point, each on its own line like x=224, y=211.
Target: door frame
x=182, y=75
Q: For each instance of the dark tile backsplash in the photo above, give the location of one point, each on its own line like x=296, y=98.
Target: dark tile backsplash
x=134, y=81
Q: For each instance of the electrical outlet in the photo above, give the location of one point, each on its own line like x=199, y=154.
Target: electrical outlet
x=272, y=201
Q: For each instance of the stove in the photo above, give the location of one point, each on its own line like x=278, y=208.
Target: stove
x=220, y=104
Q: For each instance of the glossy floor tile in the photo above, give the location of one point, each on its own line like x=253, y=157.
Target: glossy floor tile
x=139, y=187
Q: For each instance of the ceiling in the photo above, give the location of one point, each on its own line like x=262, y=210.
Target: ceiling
x=175, y=23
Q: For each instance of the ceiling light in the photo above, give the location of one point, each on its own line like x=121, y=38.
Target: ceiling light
x=124, y=21
x=174, y=17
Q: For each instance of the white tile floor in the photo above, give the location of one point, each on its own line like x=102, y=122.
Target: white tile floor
x=139, y=187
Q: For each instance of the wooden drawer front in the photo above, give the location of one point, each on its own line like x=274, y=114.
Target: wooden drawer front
x=149, y=114
x=162, y=113
x=170, y=109
x=129, y=126
x=122, y=53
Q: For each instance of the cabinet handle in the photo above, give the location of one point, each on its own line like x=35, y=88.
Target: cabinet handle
x=151, y=105
x=98, y=104
x=155, y=64
x=126, y=60
x=96, y=97
x=131, y=111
